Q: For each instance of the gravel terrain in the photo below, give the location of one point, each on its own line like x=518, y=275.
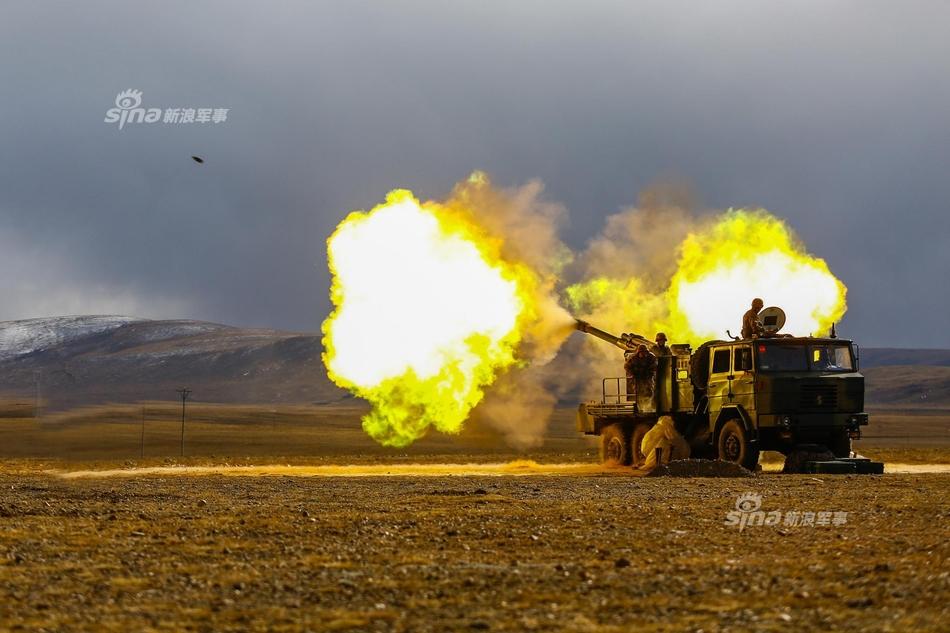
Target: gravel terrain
x=592, y=552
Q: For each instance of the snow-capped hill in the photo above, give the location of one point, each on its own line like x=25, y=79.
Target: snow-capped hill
x=26, y=336
x=143, y=332
x=80, y=360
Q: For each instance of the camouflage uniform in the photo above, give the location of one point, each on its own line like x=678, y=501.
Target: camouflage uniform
x=660, y=348
x=641, y=373
x=751, y=328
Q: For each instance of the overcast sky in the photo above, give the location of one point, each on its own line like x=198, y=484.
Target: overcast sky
x=834, y=115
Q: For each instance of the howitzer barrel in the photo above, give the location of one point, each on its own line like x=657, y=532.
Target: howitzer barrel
x=626, y=342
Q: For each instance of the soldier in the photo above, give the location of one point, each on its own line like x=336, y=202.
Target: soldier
x=751, y=328
x=641, y=372
x=660, y=349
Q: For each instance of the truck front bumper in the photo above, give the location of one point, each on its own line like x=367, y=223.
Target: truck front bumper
x=804, y=420
x=806, y=426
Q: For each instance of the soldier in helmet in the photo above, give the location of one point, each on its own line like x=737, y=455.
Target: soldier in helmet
x=661, y=349
x=751, y=328
x=641, y=372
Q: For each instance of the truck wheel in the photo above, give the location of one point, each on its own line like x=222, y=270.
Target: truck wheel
x=803, y=453
x=636, y=443
x=733, y=445
x=840, y=444
x=615, y=446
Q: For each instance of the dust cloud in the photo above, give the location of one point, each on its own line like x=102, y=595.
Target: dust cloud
x=520, y=402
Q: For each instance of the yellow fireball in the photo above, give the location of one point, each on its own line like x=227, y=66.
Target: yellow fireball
x=426, y=314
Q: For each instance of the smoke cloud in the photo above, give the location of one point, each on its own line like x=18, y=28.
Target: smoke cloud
x=662, y=265
x=618, y=281
x=520, y=402
x=665, y=264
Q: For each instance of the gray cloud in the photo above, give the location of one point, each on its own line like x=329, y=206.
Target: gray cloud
x=37, y=280
x=833, y=115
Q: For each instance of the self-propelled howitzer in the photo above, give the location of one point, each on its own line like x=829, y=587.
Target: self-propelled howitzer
x=733, y=399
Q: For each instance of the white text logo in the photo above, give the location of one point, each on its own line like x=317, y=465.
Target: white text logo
x=747, y=513
x=128, y=110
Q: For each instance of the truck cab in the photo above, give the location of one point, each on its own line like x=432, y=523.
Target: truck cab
x=733, y=399
x=775, y=393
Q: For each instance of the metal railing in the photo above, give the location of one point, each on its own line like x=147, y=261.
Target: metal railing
x=618, y=394
x=615, y=399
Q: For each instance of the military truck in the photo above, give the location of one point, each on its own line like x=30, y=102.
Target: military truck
x=733, y=399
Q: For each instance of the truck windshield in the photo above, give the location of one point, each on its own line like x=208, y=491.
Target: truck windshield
x=824, y=357
x=782, y=358
x=830, y=358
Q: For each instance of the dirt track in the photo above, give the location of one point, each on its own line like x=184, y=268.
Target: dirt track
x=589, y=553
x=517, y=468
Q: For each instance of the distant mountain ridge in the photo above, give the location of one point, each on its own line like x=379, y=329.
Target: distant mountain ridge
x=18, y=338
x=91, y=359
x=883, y=357
x=72, y=360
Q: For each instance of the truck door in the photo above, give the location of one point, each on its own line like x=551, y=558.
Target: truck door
x=743, y=377
x=719, y=390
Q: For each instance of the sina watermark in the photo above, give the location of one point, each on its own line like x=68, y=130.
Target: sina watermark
x=748, y=513
x=128, y=109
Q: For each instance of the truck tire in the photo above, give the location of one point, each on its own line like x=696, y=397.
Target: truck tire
x=637, y=458
x=732, y=445
x=802, y=454
x=615, y=445
x=840, y=443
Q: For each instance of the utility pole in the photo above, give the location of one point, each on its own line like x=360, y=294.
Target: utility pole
x=184, y=392
x=143, y=432
x=37, y=375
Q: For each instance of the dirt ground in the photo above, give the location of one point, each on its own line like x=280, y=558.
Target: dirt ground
x=150, y=433
x=593, y=552
x=296, y=522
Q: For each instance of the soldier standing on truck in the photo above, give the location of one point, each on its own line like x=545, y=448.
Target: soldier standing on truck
x=751, y=328
x=660, y=349
x=641, y=373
